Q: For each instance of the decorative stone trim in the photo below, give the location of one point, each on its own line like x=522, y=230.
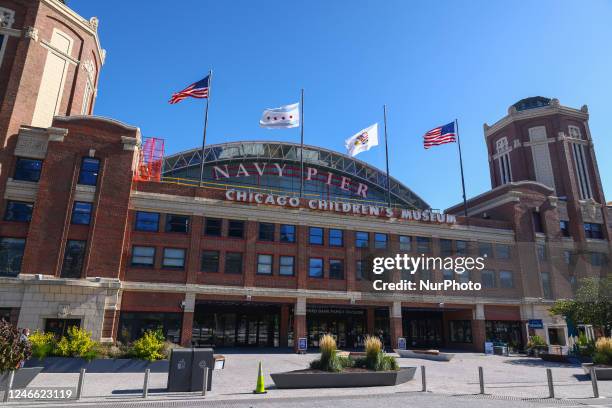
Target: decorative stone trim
x=130, y=143
x=21, y=190
x=30, y=33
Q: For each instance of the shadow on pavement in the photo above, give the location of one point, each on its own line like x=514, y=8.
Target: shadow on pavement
x=536, y=362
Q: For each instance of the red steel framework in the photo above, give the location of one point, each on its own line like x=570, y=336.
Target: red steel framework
x=151, y=160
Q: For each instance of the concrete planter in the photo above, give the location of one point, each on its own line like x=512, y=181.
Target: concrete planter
x=602, y=373
x=301, y=379
x=23, y=377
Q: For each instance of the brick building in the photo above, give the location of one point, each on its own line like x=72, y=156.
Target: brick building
x=241, y=260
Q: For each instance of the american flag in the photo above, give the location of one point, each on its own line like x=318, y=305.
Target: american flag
x=196, y=90
x=440, y=135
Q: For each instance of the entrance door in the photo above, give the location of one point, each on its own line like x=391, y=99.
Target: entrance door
x=422, y=329
x=347, y=326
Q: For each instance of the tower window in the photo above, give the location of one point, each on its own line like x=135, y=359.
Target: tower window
x=581, y=171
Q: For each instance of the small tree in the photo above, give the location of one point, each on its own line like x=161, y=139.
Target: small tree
x=13, y=350
x=592, y=304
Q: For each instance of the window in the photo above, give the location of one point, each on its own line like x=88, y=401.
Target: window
x=235, y=229
x=460, y=331
x=143, y=256
x=59, y=327
x=537, y=222
x=177, y=223
x=233, y=262
x=567, y=257
x=147, y=221
x=598, y=259
x=359, y=270
x=315, y=268
x=27, y=169
x=287, y=233
x=487, y=279
x=174, y=258
x=264, y=264
x=446, y=247
x=18, y=211
x=503, y=251
x=266, y=231
x=423, y=245
x=362, y=239
x=74, y=255
x=11, y=254
x=212, y=227
x=336, y=237
x=463, y=277
x=506, y=279
x=425, y=274
x=336, y=269
x=315, y=236
x=541, y=251
x=90, y=168
x=448, y=274
x=593, y=230
x=380, y=241
x=461, y=248
x=503, y=151
x=485, y=249
x=564, y=225
x=210, y=261
x=546, y=287
x=81, y=213
x=581, y=171
x=286, y=265
x=405, y=243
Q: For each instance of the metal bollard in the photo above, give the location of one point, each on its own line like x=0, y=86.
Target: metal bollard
x=9, y=386
x=551, y=388
x=205, y=381
x=594, y=383
x=423, y=379
x=81, y=384
x=481, y=380
x=145, y=386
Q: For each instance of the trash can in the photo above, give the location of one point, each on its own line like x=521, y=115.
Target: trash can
x=202, y=357
x=179, y=373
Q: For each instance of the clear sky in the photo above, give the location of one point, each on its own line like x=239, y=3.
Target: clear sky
x=429, y=61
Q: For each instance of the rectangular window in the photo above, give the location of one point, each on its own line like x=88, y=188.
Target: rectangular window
x=506, y=280
x=463, y=277
x=286, y=265
x=235, y=229
x=359, y=270
x=315, y=236
x=27, y=169
x=362, y=239
x=287, y=233
x=487, y=278
x=212, y=227
x=315, y=268
x=541, y=251
x=90, y=169
x=598, y=259
x=18, y=211
x=380, y=241
x=564, y=225
x=177, y=223
x=266, y=231
x=233, y=263
x=567, y=257
x=546, y=287
x=485, y=249
x=405, y=243
x=581, y=171
x=336, y=237
x=147, y=221
x=81, y=213
x=503, y=251
x=210, y=261
x=423, y=245
x=460, y=331
x=537, y=222
x=592, y=230
x=448, y=274
x=446, y=247
x=174, y=258
x=461, y=248
x=336, y=269
x=264, y=264
x=11, y=254
x=74, y=256
x=143, y=256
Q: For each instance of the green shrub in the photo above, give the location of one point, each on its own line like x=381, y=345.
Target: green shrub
x=42, y=344
x=117, y=350
x=77, y=343
x=375, y=358
x=13, y=350
x=535, y=341
x=150, y=346
x=603, y=351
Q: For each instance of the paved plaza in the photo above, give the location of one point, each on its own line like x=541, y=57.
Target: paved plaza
x=508, y=378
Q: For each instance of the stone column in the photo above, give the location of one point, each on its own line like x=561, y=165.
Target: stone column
x=187, y=326
x=299, y=321
x=395, y=323
x=370, y=320
x=478, y=328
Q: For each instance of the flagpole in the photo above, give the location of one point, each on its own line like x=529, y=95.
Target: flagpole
x=302, y=143
x=205, y=126
x=465, y=208
x=387, y=156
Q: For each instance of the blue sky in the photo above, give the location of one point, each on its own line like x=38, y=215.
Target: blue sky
x=429, y=61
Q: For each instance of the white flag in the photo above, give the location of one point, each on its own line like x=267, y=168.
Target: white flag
x=362, y=141
x=287, y=116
